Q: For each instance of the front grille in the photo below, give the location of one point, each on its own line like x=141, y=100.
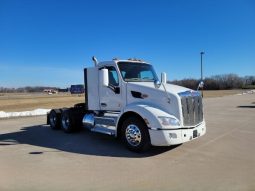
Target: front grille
x=192, y=108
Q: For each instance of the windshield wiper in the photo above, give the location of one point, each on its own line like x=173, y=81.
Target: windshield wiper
x=133, y=79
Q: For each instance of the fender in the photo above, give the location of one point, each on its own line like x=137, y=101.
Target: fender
x=149, y=113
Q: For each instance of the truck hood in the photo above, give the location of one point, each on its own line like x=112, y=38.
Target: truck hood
x=175, y=89
x=170, y=88
x=156, y=97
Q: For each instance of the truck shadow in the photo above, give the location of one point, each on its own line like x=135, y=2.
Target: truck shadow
x=84, y=142
x=246, y=106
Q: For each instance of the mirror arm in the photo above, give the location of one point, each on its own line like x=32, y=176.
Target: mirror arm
x=115, y=89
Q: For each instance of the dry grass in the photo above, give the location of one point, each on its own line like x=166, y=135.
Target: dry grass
x=220, y=93
x=25, y=102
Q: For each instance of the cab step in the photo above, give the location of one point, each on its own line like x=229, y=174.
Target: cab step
x=103, y=130
x=109, y=121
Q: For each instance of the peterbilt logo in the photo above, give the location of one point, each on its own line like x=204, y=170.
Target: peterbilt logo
x=193, y=93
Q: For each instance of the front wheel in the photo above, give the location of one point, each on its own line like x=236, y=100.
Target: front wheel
x=135, y=135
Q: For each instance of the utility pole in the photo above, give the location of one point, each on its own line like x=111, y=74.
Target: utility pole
x=201, y=80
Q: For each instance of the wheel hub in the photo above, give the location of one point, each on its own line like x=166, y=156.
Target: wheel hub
x=133, y=135
x=65, y=122
x=53, y=120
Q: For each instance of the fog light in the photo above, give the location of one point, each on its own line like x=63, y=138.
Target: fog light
x=172, y=135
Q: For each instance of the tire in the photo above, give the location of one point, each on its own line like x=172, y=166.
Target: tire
x=55, y=119
x=135, y=135
x=67, y=122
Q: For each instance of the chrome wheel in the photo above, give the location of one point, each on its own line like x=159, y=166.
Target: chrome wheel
x=133, y=135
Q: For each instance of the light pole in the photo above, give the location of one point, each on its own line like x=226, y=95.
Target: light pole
x=201, y=57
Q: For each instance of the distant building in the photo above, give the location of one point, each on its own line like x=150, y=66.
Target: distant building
x=63, y=90
x=77, y=89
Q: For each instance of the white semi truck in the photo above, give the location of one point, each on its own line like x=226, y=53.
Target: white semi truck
x=125, y=99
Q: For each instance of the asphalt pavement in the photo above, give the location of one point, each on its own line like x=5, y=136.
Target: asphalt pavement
x=34, y=157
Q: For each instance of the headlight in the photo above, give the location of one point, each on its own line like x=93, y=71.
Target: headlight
x=169, y=121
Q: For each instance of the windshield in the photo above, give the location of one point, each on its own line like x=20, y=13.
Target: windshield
x=133, y=72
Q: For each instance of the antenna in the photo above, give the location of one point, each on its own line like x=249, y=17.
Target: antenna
x=95, y=60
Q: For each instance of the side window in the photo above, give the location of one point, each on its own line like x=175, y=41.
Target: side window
x=113, y=76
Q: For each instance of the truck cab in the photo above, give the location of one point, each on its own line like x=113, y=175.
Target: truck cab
x=126, y=99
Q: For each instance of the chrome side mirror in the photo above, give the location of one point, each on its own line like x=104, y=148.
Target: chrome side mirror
x=104, y=77
x=200, y=85
x=157, y=83
x=163, y=78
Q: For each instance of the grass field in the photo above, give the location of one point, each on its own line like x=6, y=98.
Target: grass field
x=220, y=93
x=25, y=102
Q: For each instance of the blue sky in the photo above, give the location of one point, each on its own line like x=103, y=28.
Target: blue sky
x=49, y=42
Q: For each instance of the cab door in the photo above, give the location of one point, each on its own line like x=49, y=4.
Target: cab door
x=111, y=96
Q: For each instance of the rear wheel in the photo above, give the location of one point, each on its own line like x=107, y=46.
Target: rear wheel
x=55, y=119
x=135, y=135
x=67, y=122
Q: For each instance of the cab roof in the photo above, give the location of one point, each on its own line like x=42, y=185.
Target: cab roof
x=115, y=61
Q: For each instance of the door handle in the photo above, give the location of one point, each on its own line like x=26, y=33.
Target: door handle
x=103, y=104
